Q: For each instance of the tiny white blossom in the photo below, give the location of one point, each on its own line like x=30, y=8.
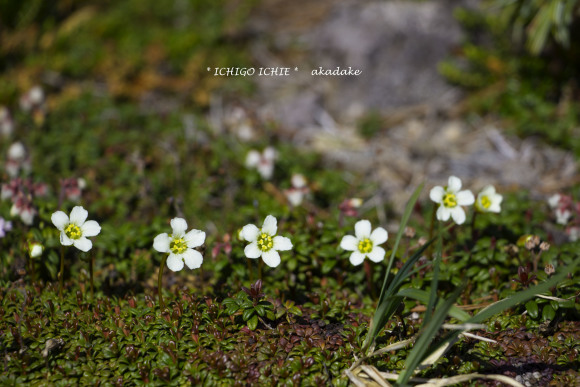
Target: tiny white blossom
x=36, y=250
x=562, y=216
x=180, y=245
x=263, y=162
x=76, y=229
x=488, y=200
x=6, y=122
x=365, y=243
x=264, y=242
x=299, y=189
x=450, y=200
x=554, y=200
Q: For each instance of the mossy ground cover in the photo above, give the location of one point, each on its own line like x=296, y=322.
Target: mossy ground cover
x=305, y=321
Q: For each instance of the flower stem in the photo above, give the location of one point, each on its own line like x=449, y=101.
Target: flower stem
x=91, y=264
x=473, y=231
x=159, y=284
x=431, y=229
x=248, y=261
x=260, y=264
x=369, y=273
x=61, y=273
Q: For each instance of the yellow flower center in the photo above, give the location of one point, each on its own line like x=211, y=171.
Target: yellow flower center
x=485, y=202
x=365, y=246
x=449, y=200
x=265, y=242
x=73, y=231
x=177, y=246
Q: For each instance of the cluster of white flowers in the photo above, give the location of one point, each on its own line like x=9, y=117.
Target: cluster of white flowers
x=263, y=162
x=567, y=213
x=6, y=122
x=17, y=159
x=299, y=189
x=451, y=199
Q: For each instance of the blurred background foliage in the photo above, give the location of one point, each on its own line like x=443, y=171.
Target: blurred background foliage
x=131, y=47
x=521, y=61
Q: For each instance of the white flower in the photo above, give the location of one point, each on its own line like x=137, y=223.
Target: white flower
x=180, y=245
x=263, y=162
x=32, y=99
x=299, y=189
x=488, y=200
x=264, y=242
x=365, y=243
x=17, y=152
x=554, y=200
x=450, y=200
x=36, y=250
x=6, y=123
x=74, y=231
x=562, y=216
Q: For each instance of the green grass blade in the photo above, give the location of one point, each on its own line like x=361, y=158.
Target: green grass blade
x=387, y=305
x=406, y=215
x=423, y=297
x=435, y=279
x=419, y=351
x=522, y=296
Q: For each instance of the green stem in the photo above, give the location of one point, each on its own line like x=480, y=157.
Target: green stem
x=159, y=284
x=248, y=261
x=260, y=264
x=431, y=229
x=61, y=273
x=91, y=265
x=369, y=273
x=473, y=231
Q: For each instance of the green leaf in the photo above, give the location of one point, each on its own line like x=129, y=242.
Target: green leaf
x=328, y=265
x=548, y=313
x=253, y=322
x=247, y=314
x=532, y=308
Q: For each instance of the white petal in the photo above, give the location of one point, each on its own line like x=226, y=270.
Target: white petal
x=282, y=243
x=356, y=258
x=436, y=194
x=458, y=215
x=175, y=262
x=64, y=240
x=271, y=258
x=270, y=153
x=362, y=229
x=252, y=250
x=161, y=243
x=377, y=254
x=266, y=169
x=465, y=198
x=349, y=243
x=454, y=184
x=443, y=213
x=494, y=207
x=83, y=244
x=270, y=225
x=78, y=215
x=253, y=158
x=193, y=258
x=194, y=238
x=488, y=190
x=90, y=228
x=379, y=236
x=59, y=219
x=179, y=226
x=250, y=233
